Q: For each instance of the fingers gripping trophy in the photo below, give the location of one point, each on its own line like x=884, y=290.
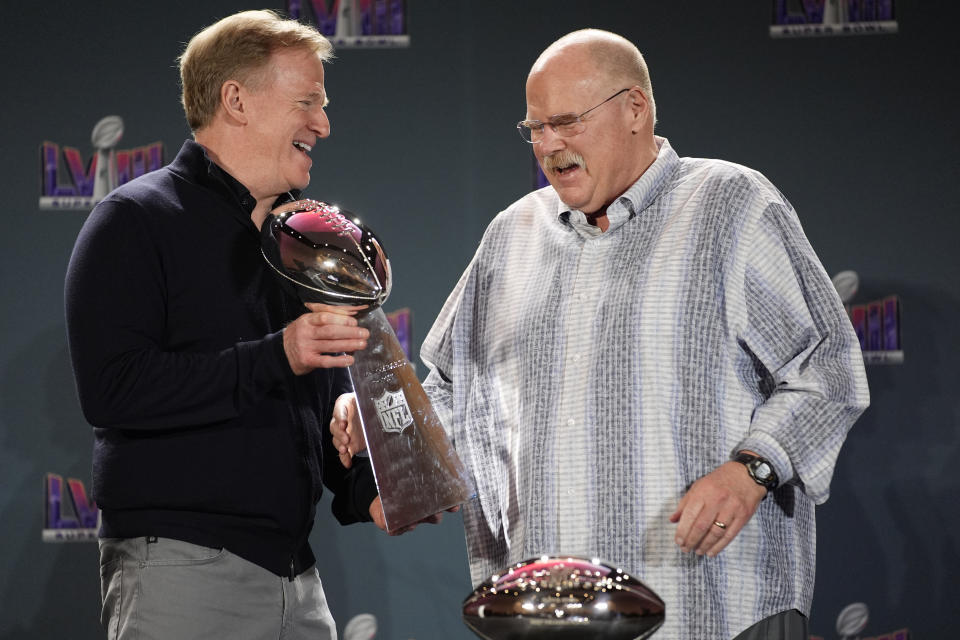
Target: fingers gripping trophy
x=328, y=256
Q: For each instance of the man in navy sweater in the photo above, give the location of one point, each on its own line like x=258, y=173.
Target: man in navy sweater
x=207, y=385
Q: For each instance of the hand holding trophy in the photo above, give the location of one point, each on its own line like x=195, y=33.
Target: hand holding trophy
x=327, y=257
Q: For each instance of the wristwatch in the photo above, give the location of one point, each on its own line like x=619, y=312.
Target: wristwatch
x=759, y=469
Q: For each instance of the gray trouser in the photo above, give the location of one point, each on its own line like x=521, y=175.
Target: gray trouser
x=158, y=588
x=789, y=625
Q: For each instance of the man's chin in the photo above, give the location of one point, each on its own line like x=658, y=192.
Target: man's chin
x=572, y=200
x=301, y=183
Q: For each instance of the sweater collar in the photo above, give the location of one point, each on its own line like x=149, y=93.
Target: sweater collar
x=194, y=161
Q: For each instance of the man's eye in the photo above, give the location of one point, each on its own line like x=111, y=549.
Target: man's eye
x=564, y=121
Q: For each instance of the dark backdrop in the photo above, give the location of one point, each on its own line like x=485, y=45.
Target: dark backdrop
x=858, y=132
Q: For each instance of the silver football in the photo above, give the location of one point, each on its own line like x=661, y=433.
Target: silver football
x=564, y=598
x=327, y=254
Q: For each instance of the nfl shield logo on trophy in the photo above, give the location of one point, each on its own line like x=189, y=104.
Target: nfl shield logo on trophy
x=394, y=412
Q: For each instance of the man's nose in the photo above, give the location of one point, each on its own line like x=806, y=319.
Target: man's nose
x=550, y=140
x=320, y=124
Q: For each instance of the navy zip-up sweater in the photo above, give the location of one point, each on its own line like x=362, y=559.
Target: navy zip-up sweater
x=202, y=432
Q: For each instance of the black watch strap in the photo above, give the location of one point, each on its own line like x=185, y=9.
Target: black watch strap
x=759, y=469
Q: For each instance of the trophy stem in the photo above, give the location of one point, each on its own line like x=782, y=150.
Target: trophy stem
x=415, y=466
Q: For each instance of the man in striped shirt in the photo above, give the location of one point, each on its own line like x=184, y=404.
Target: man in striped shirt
x=646, y=363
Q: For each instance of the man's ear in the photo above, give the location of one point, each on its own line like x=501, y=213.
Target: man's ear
x=640, y=107
x=231, y=99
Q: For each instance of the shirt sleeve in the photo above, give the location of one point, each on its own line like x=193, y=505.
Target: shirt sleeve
x=437, y=352
x=115, y=312
x=805, y=355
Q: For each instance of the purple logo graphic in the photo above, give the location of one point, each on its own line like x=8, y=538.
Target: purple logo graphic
x=68, y=515
x=69, y=182
x=356, y=23
x=818, y=18
x=401, y=321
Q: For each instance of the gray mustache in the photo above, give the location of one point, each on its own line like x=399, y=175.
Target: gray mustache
x=563, y=159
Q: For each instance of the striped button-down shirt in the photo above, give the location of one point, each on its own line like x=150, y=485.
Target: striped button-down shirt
x=587, y=379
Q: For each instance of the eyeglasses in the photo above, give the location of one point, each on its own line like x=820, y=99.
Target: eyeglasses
x=564, y=124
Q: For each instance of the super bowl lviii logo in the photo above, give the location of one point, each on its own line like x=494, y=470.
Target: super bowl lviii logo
x=68, y=516
x=67, y=181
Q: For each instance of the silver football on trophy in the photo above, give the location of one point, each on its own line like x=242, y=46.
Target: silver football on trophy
x=327, y=254
x=563, y=597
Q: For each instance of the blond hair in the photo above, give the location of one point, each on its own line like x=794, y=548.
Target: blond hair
x=237, y=47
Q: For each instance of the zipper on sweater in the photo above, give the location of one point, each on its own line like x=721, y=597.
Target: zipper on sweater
x=297, y=406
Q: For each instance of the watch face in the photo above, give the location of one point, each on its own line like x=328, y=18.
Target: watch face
x=762, y=470
x=759, y=469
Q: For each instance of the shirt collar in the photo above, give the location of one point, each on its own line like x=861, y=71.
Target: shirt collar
x=239, y=191
x=230, y=185
x=194, y=160
x=634, y=200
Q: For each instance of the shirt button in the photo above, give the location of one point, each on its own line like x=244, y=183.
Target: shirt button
x=571, y=422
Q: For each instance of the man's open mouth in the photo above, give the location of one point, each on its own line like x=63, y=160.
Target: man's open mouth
x=302, y=146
